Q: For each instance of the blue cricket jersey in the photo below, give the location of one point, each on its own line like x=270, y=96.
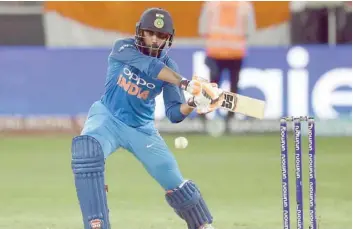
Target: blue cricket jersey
x=131, y=86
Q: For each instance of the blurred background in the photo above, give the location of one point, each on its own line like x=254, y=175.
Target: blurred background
x=295, y=55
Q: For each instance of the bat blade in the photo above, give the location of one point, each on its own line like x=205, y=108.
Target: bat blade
x=244, y=105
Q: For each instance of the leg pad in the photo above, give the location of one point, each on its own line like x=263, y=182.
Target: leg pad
x=88, y=167
x=188, y=203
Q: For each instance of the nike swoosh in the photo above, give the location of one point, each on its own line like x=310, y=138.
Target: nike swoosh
x=148, y=146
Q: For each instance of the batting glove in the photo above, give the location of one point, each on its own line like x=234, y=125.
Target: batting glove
x=206, y=97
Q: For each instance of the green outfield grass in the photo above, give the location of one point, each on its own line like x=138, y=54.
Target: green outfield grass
x=240, y=178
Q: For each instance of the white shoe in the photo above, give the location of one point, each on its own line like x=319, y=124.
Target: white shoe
x=207, y=226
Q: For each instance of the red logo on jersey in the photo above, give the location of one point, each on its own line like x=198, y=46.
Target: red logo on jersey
x=132, y=88
x=131, y=83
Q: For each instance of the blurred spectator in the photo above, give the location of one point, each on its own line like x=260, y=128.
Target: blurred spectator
x=344, y=23
x=21, y=23
x=321, y=22
x=225, y=27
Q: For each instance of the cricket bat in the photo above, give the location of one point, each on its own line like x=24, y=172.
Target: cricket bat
x=244, y=105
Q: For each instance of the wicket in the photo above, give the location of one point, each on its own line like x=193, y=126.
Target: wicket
x=298, y=171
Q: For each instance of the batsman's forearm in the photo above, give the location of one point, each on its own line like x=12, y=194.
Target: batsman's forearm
x=168, y=75
x=185, y=109
x=178, y=112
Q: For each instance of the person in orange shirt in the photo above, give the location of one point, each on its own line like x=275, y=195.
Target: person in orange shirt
x=225, y=27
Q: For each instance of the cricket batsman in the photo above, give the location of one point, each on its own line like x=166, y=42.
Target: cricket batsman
x=139, y=69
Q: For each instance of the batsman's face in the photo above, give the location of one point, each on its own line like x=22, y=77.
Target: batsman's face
x=154, y=40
